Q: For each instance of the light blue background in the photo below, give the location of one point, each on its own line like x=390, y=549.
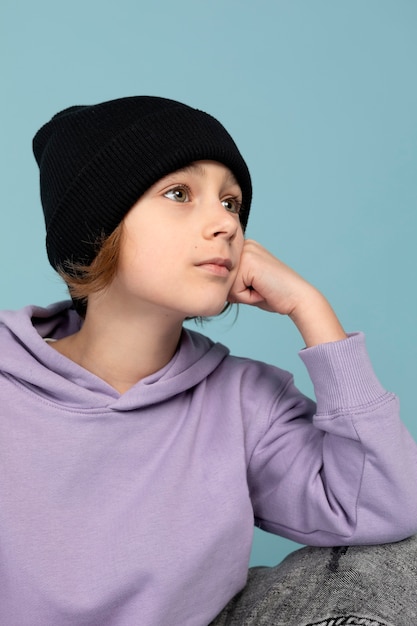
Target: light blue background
x=321, y=98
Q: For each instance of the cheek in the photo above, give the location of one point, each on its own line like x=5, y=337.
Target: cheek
x=240, y=242
x=148, y=256
x=141, y=239
x=134, y=259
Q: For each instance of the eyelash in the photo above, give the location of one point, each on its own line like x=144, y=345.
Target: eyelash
x=237, y=202
x=234, y=199
x=178, y=188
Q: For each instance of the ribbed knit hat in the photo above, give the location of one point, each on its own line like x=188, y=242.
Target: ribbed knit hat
x=96, y=161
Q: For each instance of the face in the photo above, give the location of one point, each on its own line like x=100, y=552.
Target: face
x=182, y=243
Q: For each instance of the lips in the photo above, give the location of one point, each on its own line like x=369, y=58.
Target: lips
x=218, y=266
x=219, y=261
x=227, y=263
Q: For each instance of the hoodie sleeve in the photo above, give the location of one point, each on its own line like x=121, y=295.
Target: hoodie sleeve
x=343, y=472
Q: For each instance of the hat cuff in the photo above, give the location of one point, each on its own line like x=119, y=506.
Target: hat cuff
x=110, y=184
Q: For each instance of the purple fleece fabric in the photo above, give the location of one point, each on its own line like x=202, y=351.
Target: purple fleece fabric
x=117, y=510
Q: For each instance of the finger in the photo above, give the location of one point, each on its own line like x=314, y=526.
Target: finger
x=247, y=295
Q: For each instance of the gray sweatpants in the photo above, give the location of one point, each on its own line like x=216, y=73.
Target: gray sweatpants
x=361, y=585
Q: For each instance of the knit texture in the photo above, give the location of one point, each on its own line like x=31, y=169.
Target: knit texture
x=96, y=161
x=355, y=586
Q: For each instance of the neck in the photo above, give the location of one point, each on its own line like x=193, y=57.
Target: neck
x=121, y=349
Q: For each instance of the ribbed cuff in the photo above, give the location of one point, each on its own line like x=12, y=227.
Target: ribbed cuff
x=342, y=375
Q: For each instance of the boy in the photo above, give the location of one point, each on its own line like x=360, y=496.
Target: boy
x=136, y=454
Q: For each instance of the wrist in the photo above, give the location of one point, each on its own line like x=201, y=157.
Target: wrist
x=316, y=320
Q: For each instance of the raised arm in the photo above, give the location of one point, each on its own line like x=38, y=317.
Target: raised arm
x=345, y=471
x=266, y=282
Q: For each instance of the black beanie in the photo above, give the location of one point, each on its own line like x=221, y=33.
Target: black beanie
x=96, y=161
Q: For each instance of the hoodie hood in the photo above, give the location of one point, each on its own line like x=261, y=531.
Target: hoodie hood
x=30, y=362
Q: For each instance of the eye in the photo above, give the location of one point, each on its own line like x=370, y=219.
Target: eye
x=178, y=194
x=232, y=204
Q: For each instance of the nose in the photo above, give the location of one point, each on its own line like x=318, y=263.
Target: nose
x=221, y=223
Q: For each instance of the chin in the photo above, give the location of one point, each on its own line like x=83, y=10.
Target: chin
x=209, y=311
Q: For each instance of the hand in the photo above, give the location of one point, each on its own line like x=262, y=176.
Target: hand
x=264, y=281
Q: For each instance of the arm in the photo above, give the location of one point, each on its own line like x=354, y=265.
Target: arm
x=343, y=473
x=266, y=282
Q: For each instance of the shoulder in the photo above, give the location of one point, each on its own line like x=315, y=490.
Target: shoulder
x=249, y=378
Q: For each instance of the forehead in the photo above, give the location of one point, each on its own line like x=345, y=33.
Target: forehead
x=201, y=168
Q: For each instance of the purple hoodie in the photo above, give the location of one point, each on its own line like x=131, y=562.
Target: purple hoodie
x=138, y=509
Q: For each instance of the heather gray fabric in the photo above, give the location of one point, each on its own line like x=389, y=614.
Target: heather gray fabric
x=356, y=586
